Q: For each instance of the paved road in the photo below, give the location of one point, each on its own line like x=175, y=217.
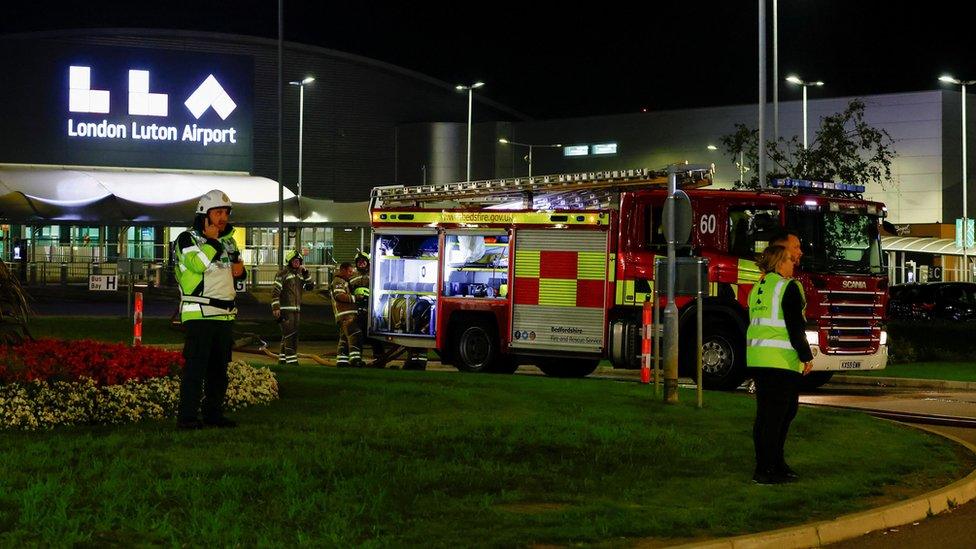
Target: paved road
x=952, y=530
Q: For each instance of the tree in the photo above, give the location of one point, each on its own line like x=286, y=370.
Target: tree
x=845, y=148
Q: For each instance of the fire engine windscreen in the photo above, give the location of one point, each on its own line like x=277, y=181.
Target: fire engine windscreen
x=844, y=242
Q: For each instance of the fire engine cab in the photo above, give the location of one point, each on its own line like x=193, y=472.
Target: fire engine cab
x=554, y=270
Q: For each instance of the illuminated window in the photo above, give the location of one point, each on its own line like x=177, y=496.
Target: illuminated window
x=81, y=98
x=141, y=102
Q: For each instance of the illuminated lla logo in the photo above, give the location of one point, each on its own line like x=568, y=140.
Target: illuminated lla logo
x=86, y=97
x=210, y=94
x=83, y=99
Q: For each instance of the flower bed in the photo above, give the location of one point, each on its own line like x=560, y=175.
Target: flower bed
x=46, y=383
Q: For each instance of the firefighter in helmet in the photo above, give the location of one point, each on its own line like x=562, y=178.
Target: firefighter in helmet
x=349, y=351
x=286, y=303
x=359, y=285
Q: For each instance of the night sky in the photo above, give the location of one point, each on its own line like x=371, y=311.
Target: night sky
x=562, y=59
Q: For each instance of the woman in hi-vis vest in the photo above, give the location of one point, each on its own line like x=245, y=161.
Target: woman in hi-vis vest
x=778, y=355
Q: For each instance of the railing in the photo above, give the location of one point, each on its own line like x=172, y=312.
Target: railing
x=154, y=274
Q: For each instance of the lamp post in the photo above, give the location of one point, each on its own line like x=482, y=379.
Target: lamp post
x=530, y=146
x=794, y=79
x=742, y=167
x=470, y=89
x=301, y=128
x=965, y=202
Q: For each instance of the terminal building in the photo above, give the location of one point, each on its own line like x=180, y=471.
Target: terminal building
x=108, y=137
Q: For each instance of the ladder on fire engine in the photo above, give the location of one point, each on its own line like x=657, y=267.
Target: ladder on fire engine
x=571, y=190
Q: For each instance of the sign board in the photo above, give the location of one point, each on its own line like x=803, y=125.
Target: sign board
x=103, y=283
x=576, y=150
x=970, y=232
x=688, y=271
x=603, y=148
x=130, y=266
x=72, y=104
x=682, y=218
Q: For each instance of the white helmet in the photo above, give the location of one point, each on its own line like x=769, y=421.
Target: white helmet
x=213, y=199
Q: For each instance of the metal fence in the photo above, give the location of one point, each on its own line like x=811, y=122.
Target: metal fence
x=151, y=273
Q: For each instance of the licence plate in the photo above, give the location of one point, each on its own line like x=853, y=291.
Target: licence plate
x=851, y=365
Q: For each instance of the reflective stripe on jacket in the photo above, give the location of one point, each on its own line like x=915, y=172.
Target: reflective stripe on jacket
x=343, y=302
x=767, y=339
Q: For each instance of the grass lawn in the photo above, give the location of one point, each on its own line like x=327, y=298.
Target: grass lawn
x=157, y=331
x=949, y=371
x=380, y=457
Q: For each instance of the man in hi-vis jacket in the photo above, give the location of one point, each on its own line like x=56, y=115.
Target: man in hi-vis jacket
x=208, y=264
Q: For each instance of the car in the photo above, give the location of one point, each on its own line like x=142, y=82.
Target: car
x=933, y=301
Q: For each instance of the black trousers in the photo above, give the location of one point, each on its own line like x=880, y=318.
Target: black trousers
x=206, y=351
x=777, y=401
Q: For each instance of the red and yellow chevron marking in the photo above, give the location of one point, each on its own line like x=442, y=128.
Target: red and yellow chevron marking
x=560, y=278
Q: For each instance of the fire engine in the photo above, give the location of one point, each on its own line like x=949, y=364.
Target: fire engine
x=554, y=270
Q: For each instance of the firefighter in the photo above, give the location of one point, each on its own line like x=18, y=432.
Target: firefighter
x=359, y=286
x=416, y=359
x=361, y=278
x=208, y=264
x=349, y=350
x=778, y=355
x=286, y=303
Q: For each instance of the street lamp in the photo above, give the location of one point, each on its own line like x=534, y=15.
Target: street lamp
x=965, y=203
x=530, y=146
x=470, y=89
x=301, y=128
x=794, y=79
x=742, y=167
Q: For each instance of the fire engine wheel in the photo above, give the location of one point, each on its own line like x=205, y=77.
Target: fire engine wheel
x=476, y=348
x=814, y=380
x=723, y=360
x=567, y=367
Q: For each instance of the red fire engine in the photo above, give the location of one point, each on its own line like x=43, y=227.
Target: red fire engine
x=554, y=270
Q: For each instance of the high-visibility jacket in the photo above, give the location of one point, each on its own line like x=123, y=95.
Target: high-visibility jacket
x=358, y=281
x=203, y=271
x=767, y=339
x=288, y=287
x=343, y=302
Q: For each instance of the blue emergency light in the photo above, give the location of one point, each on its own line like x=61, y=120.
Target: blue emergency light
x=790, y=183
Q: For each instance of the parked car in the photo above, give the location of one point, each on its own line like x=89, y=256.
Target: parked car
x=933, y=301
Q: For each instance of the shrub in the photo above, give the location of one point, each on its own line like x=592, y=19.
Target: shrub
x=37, y=404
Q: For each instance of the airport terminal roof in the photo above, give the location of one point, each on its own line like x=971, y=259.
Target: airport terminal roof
x=72, y=194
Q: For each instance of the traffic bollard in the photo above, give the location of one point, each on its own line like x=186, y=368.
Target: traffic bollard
x=646, y=334
x=137, y=322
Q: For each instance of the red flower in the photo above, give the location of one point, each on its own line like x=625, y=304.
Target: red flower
x=106, y=363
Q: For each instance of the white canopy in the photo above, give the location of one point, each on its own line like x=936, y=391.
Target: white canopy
x=935, y=246
x=57, y=194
